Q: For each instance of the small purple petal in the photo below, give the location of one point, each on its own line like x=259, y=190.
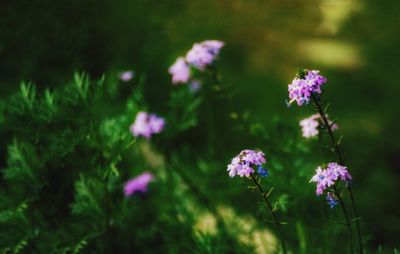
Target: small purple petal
x=138, y=184
x=126, y=75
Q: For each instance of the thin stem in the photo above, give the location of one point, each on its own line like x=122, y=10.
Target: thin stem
x=348, y=222
x=336, y=147
x=278, y=225
x=358, y=227
x=329, y=129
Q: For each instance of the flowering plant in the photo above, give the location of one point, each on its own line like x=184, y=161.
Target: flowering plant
x=201, y=56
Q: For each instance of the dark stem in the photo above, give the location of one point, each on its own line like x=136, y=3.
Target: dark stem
x=329, y=129
x=358, y=227
x=336, y=147
x=346, y=216
x=278, y=225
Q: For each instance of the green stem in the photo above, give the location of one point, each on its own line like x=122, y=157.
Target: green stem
x=278, y=225
x=358, y=227
x=336, y=148
x=346, y=216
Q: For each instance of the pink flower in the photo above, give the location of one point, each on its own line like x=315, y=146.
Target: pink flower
x=204, y=53
x=147, y=124
x=245, y=170
x=339, y=171
x=180, y=71
x=326, y=178
x=138, y=184
x=309, y=126
x=306, y=83
x=126, y=75
x=243, y=163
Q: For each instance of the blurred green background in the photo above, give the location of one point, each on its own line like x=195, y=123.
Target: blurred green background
x=354, y=43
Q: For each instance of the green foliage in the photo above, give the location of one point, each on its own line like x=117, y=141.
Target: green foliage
x=183, y=105
x=65, y=168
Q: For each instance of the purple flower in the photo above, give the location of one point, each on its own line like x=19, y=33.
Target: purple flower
x=213, y=46
x=126, y=75
x=331, y=199
x=194, y=86
x=147, y=124
x=180, y=71
x=245, y=170
x=326, y=178
x=203, y=54
x=309, y=126
x=339, y=171
x=243, y=163
x=307, y=83
x=138, y=184
x=262, y=171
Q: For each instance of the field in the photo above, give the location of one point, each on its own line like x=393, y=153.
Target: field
x=199, y=126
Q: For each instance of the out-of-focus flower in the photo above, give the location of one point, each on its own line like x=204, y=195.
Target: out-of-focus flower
x=307, y=83
x=194, y=86
x=326, y=178
x=243, y=163
x=126, y=76
x=138, y=184
x=214, y=46
x=309, y=126
x=147, y=124
x=180, y=71
x=203, y=54
x=331, y=199
x=200, y=56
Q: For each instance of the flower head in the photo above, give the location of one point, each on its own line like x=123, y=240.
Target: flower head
x=243, y=163
x=147, y=124
x=180, y=71
x=126, y=76
x=331, y=199
x=305, y=84
x=203, y=54
x=310, y=125
x=326, y=178
x=339, y=171
x=138, y=184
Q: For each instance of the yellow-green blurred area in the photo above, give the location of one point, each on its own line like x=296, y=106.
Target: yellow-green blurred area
x=354, y=43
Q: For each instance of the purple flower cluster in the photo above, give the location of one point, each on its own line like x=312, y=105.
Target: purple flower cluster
x=306, y=83
x=309, y=126
x=201, y=56
x=147, y=124
x=243, y=163
x=138, y=184
x=204, y=54
x=326, y=178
